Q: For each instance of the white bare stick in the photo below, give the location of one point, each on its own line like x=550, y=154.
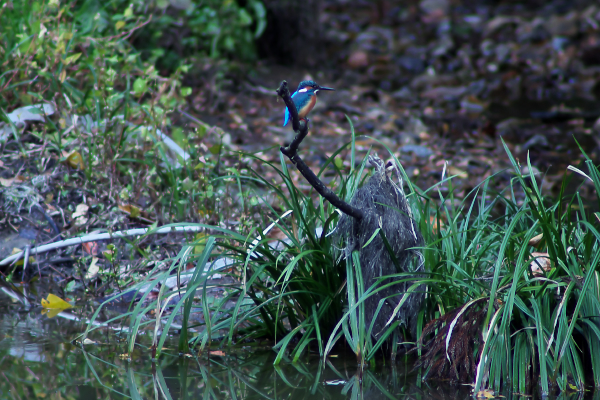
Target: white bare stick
x=98, y=236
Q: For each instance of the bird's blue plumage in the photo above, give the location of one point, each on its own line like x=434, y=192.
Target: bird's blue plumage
x=300, y=100
x=303, y=100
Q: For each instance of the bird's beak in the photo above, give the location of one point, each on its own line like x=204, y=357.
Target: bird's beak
x=325, y=88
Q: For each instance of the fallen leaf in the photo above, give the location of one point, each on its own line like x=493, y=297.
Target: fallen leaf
x=91, y=248
x=93, y=269
x=55, y=302
x=54, y=305
x=74, y=160
x=217, y=353
x=485, y=394
x=452, y=170
x=540, y=263
x=536, y=241
x=80, y=212
x=133, y=211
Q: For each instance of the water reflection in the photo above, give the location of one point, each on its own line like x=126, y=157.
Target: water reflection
x=39, y=361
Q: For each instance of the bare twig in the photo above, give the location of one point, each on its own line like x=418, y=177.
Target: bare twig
x=100, y=236
x=291, y=151
x=127, y=34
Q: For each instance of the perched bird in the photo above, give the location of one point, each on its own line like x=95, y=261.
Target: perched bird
x=304, y=99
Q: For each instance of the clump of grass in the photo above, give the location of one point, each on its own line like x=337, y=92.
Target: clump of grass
x=506, y=322
x=539, y=326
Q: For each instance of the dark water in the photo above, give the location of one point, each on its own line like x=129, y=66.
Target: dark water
x=39, y=361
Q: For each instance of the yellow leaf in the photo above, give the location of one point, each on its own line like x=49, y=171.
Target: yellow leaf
x=76, y=161
x=62, y=76
x=452, y=170
x=133, y=211
x=485, y=394
x=55, y=302
x=119, y=25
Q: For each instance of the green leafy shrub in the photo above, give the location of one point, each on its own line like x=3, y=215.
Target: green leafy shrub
x=169, y=32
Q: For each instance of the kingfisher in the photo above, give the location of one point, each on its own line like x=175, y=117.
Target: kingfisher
x=304, y=99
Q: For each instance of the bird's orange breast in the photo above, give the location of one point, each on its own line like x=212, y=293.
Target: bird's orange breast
x=303, y=112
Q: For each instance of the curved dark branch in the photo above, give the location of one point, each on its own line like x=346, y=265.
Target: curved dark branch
x=291, y=151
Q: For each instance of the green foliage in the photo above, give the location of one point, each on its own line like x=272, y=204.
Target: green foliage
x=94, y=50
x=176, y=30
x=108, y=96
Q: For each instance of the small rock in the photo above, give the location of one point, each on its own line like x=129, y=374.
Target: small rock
x=358, y=59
